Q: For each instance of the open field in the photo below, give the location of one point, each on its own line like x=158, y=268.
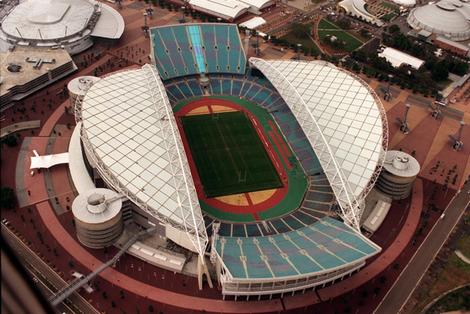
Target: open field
x=327, y=28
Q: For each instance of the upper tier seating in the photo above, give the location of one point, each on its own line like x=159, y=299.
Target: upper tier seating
x=188, y=49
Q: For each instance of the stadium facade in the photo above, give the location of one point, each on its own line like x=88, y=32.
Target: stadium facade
x=128, y=139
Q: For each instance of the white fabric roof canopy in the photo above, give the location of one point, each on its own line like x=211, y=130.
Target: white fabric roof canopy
x=129, y=130
x=254, y=22
x=397, y=58
x=227, y=9
x=332, y=102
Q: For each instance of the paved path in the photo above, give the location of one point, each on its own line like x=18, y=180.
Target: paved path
x=20, y=126
x=409, y=279
x=33, y=262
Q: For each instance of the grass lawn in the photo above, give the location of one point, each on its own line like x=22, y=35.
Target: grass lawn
x=324, y=24
x=389, y=16
x=307, y=43
x=351, y=42
x=229, y=156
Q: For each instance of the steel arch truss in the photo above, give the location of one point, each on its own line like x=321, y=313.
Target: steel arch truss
x=185, y=194
x=351, y=205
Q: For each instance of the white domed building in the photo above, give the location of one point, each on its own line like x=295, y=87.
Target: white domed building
x=448, y=18
x=68, y=24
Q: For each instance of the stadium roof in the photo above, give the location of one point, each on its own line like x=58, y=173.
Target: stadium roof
x=343, y=120
x=47, y=20
x=450, y=18
x=397, y=58
x=130, y=132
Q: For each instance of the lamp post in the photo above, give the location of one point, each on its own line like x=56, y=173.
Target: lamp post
x=388, y=94
x=299, y=46
x=457, y=141
x=145, y=28
x=404, y=124
x=183, y=19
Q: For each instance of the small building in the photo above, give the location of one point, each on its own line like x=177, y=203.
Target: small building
x=398, y=174
x=398, y=58
x=24, y=71
x=452, y=46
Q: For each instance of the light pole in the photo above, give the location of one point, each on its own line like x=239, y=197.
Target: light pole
x=183, y=19
x=299, y=46
x=404, y=124
x=457, y=143
x=388, y=94
x=145, y=28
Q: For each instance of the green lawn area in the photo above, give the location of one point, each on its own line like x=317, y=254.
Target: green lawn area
x=307, y=43
x=389, y=16
x=454, y=301
x=351, y=42
x=324, y=24
x=229, y=156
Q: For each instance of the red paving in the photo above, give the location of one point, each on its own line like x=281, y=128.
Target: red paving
x=425, y=131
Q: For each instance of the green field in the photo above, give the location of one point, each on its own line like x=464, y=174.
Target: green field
x=229, y=156
x=351, y=43
x=327, y=28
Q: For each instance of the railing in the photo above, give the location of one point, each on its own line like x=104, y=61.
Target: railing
x=65, y=292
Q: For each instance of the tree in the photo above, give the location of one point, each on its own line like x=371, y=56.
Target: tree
x=440, y=71
x=10, y=141
x=300, y=30
x=344, y=23
x=393, y=29
x=7, y=198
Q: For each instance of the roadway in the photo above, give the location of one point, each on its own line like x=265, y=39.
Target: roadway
x=410, y=277
x=45, y=277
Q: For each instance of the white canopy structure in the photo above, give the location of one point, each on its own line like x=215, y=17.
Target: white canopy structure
x=405, y=3
x=344, y=121
x=130, y=134
x=253, y=23
x=48, y=161
x=257, y=5
x=397, y=58
x=225, y=9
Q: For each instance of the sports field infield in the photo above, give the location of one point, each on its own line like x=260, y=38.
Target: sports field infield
x=229, y=156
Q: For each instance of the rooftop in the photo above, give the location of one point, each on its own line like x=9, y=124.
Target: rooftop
x=51, y=58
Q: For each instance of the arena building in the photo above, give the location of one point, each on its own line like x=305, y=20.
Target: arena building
x=69, y=24
x=449, y=18
x=258, y=171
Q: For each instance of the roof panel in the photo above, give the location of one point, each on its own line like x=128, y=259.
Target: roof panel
x=351, y=126
x=135, y=152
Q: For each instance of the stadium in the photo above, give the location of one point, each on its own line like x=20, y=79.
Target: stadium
x=253, y=172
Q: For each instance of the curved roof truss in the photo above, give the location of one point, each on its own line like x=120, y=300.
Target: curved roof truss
x=350, y=189
x=105, y=102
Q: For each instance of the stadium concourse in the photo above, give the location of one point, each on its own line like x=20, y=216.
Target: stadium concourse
x=264, y=167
